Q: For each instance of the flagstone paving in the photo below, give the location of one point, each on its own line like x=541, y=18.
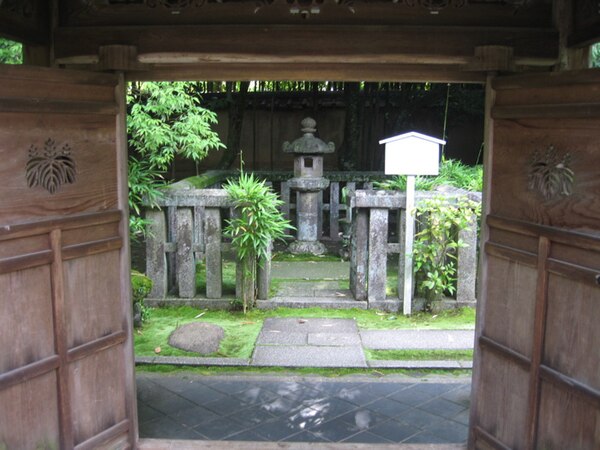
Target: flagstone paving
x=303, y=409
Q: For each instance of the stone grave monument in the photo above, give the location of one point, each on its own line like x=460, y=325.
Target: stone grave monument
x=309, y=182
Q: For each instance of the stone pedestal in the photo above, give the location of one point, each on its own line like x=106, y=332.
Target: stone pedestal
x=309, y=183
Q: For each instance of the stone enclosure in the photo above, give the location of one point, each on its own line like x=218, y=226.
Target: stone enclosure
x=188, y=229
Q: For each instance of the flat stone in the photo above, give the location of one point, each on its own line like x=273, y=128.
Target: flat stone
x=308, y=356
x=191, y=361
x=199, y=337
x=276, y=337
x=293, y=325
x=336, y=339
x=441, y=365
x=418, y=339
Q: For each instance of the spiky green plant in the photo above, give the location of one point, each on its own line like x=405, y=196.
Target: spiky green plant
x=255, y=225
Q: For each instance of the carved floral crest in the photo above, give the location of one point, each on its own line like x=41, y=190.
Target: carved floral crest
x=50, y=168
x=550, y=174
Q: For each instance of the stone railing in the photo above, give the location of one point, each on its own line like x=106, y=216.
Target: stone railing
x=188, y=229
x=332, y=202
x=370, y=246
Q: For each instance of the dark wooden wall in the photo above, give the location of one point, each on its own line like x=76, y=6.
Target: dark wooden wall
x=536, y=378
x=66, y=366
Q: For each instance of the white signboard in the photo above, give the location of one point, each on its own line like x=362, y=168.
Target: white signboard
x=412, y=154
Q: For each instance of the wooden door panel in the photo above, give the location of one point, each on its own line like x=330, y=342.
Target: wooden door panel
x=572, y=323
x=22, y=316
x=33, y=409
x=97, y=381
x=513, y=304
x=536, y=381
x=89, y=299
x=515, y=142
x=505, y=388
x=91, y=141
x=66, y=365
x=566, y=421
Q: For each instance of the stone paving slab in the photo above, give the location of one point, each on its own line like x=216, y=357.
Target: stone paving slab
x=441, y=364
x=336, y=339
x=167, y=444
x=357, y=409
x=191, y=361
x=418, y=339
x=308, y=356
x=316, y=325
x=277, y=337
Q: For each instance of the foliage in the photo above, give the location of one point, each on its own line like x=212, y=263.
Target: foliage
x=141, y=286
x=257, y=223
x=452, y=173
x=595, y=55
x=419, y=355
x=436, y=244
x=165, y=120
x=10, y=52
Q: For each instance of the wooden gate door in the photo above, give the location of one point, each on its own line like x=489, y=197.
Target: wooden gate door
x=537, y=371
x=66, y=360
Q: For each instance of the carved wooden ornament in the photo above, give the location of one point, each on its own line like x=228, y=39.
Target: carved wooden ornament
x=550, y=174
x=50, y=168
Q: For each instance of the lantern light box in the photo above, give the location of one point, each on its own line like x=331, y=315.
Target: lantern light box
x=412, y=154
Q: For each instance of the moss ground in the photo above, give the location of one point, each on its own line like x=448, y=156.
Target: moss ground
x=242, y=330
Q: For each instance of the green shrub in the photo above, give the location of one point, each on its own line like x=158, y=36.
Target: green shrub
x=256, y=224
x=435, y=248
x=452, y=173
x=141, y=286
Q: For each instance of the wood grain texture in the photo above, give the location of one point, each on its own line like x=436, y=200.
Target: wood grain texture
x=64, y=301
x=32, y=420
x=573, y=332
x=567, y=421
x=90, y=301
x=305, y=44
x=501, y=400
x=233, y=71
x=91, y=139
x=26, y=334
x=509, y=310
x=97, y=387
x=515, y=144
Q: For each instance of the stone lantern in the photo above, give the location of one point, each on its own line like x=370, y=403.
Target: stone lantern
x=308, y=181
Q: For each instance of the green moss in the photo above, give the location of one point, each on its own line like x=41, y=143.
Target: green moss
x=207, y=179
x=284, y=256
x=141, y=286
x=304, y=371
x=228, y=278
x=420, y=355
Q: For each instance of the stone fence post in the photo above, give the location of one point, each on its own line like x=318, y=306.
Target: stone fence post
x=369, y=246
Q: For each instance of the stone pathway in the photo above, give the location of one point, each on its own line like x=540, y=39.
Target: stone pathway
x=314, y=342
x=309, y=343
x=303, y=409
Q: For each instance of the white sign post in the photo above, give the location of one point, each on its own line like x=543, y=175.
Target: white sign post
x=411, y=154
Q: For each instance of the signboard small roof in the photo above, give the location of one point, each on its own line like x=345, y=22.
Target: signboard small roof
x=413, y=134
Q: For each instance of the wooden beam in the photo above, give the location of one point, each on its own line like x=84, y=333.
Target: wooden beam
x=305, y=44
x=539, y=335
x=305, y=72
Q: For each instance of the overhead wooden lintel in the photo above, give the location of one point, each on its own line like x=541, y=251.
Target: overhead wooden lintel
x=306, y=44
x=119, y=58
x=305, y=72
x=493, y=58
